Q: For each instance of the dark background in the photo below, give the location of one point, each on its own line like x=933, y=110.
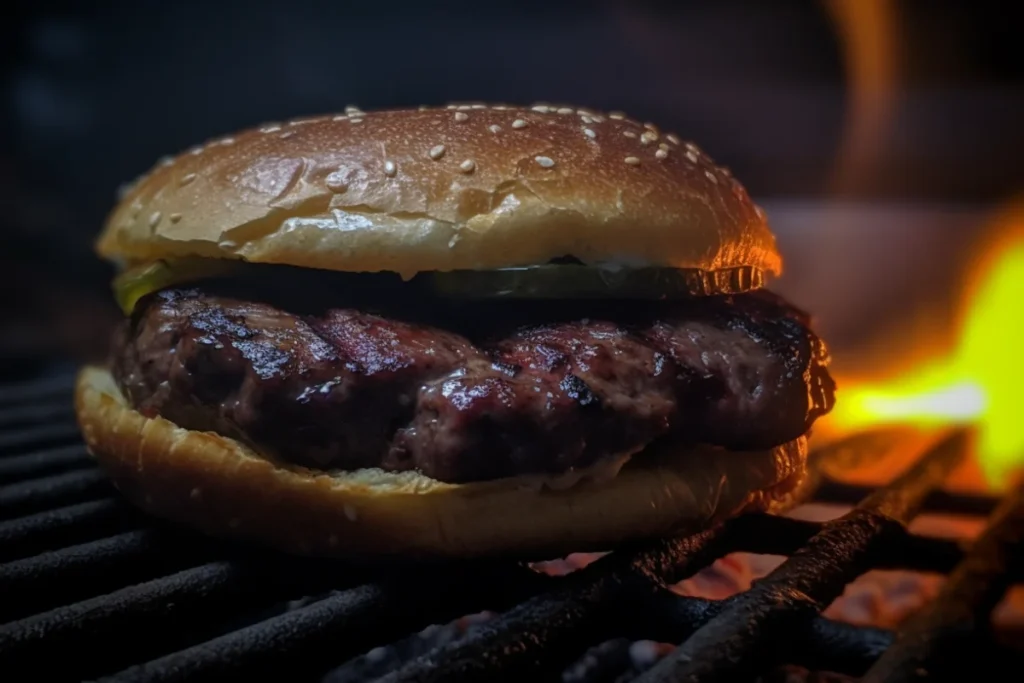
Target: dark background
x=94, y=92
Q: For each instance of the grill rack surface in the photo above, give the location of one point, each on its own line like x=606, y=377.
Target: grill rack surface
x=91, y=589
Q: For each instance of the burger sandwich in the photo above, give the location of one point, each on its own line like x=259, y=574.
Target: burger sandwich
x=450, y=333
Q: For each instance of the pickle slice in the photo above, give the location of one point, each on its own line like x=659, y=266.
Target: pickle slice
x=582, y=282
x=550, y=281
x=131, y=285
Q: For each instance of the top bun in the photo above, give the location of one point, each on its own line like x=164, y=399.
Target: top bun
x=463, y=187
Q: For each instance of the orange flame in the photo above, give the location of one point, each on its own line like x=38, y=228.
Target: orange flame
x=869, y=37
x=981, y=382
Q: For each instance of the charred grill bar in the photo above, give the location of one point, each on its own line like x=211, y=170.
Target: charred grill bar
x=94, y=590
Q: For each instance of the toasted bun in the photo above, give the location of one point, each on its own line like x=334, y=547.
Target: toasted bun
x=470, y=187
x=223, y=488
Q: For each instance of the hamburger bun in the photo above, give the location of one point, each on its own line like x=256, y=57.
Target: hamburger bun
x=223, y=488
x=459, y=188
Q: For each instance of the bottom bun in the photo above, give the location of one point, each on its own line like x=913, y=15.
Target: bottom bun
x=224, y=488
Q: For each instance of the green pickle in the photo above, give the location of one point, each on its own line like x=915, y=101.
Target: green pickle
x=131, y=285
x=529, y=282
x=576, y=282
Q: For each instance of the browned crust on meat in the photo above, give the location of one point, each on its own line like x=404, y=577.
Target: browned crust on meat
x=223, y=488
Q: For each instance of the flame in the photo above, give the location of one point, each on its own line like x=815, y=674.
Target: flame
x=980, y=382
x=869, y=36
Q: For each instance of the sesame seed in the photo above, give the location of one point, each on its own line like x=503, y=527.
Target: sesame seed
x=175, y=217
x=287, y=134
x=629, y=133
x=650, y=126
x=648, y=137
x=546, y=162
x=632, y=161
x=565, y=110
x=617, y=115
x=339, y=117
x=661, y=154
x=478, y=106
x=355, y=120
x=186, y=179
x=227, y=141
x=693, y=148
x=673, y=138
x=597, y=118
x=494, y=128
x=422, y=107
x=390, y=169
x=499, y=107
x=464, y=107
x=467, y=166
x=166, y=161
x=586, y=119
x=451, y=106
x=589, y=132
x=271, y=128
x=336, y=181
x=691, y=156
x=436, y=152
x=711, y=177
x=352, y=109
x=663, y=146
x=461, y=116
x=154, y=219
x=542, y=108
x=196, y=150
x=519, y=123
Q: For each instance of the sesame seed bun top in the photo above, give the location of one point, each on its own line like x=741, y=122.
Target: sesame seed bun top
x=463, y=187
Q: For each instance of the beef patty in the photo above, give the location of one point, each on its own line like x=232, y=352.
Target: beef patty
x=347, y=389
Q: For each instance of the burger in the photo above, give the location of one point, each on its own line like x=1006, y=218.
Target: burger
x=445, y=333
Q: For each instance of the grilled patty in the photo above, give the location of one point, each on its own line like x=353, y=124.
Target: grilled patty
x=492, y=395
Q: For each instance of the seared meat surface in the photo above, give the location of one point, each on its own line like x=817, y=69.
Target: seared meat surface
x=482, y=399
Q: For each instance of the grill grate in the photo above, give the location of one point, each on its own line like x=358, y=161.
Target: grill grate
x=93, y=590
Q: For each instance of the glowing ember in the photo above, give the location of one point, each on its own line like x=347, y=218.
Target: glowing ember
x=980, y=382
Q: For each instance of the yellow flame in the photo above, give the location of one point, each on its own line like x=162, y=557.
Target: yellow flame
x=981, y=382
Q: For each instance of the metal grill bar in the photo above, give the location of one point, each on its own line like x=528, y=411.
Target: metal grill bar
x=149, y=618
x=36, y=583
x=19, y=415
x=53, y=388
x=43, y=463
x=965, y=601
x=25, y=536
x=821, y=643
x=771, y=535
x=308, y=640
x=730, y=645
x=546, y=631
x=54, y=491
x=17, y=442
x=938, y=501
